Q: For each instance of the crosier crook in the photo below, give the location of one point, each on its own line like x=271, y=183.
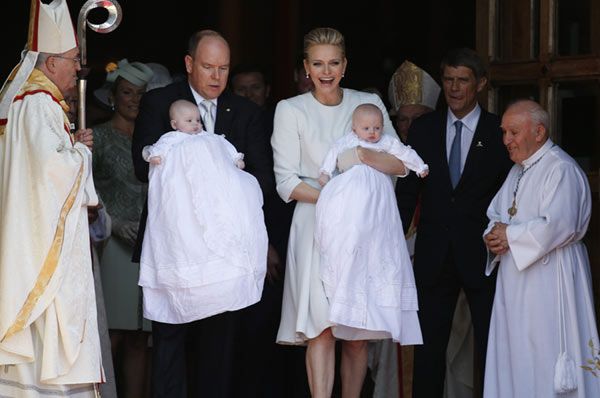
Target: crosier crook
x=115, y=14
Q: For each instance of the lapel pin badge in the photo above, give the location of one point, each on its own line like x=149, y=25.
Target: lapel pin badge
x=479, y=144
x=228, y=109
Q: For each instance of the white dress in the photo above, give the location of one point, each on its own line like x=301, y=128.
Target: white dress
x=205, y=244
x=365, y=266
x=544, y=237
x=304, y=130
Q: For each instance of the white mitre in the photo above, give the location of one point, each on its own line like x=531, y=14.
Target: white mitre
x=50, y=31
x=52, y=28
x=411, y=85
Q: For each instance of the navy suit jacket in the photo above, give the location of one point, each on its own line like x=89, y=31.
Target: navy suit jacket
x=453, y=220
x=242, y=122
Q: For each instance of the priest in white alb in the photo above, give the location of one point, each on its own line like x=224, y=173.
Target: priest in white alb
x=49, y=343
x=543, y=315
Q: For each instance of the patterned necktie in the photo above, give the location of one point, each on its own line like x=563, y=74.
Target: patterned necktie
x=208, y=117
x=454, y=161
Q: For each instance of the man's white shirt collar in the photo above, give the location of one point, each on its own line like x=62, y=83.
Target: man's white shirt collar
x=470, y=120
x=198, y=98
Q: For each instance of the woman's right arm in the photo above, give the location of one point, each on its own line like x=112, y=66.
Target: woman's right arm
x=305, y=193
x=287, y=156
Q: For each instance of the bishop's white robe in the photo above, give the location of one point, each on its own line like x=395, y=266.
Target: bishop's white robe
x=49, y=343
x=553, y=211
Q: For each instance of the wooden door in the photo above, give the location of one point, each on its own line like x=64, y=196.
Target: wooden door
x=549, y=51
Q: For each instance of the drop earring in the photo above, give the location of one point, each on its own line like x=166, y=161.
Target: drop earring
x=307, y=75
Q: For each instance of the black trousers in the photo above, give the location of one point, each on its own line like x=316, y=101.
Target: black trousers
x=258, y=361
x=437, y=303
x=195, y=359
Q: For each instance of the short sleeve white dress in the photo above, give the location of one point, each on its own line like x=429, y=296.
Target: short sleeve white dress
x=304, y=130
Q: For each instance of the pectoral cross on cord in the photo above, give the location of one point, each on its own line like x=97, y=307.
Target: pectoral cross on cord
x=512, y=210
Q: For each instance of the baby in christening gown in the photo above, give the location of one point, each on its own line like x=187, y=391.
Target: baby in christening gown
x=205, y=244
x=185, y=119
x=365, y=269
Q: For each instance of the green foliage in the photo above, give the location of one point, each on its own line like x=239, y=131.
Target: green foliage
x=593, y=364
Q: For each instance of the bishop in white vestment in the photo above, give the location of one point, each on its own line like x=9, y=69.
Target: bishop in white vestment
x=49, y=343
x=543, y=314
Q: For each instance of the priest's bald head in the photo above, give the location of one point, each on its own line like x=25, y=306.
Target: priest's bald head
x=524, y=129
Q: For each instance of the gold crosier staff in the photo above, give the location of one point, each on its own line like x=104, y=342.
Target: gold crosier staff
x=115, y=14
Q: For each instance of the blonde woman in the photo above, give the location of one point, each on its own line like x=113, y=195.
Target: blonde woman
x=305, y=127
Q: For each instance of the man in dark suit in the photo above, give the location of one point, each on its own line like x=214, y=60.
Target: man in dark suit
x=212, y=340
x=468, y=163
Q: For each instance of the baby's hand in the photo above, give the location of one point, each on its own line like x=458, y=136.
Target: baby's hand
x=240, y=164
x=423, y=174
x=155, y=160
x=323, y=179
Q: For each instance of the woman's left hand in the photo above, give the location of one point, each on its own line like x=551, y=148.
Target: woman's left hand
x=348, y=159
x=382, y=161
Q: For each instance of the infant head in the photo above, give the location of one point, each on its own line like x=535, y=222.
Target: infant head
x=367, y=122
x=185, y=117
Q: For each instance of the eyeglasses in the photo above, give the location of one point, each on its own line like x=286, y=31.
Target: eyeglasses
x=77, y=60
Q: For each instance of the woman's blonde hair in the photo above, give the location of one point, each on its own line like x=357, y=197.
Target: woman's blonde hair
x=324, y=36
